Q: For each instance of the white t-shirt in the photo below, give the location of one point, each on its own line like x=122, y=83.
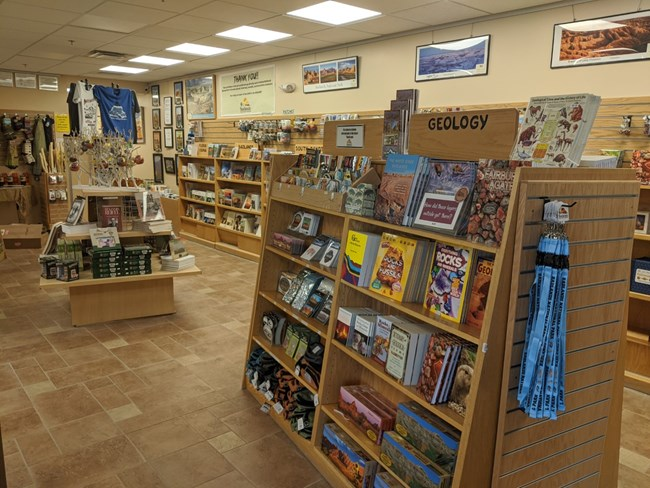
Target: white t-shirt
x=88, y=108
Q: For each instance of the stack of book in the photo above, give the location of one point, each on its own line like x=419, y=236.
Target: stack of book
x=153, y=227
x=359, y=258
x=406, y=350
x=396, y=121
x=177, y=264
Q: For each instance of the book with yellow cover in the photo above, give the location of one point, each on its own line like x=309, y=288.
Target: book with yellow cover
x=393, y=265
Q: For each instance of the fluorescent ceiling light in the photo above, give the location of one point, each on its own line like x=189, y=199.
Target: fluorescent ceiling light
x=123, y=69
x=334, y=13
x=253, y=34
x=156, y=60
x=198, y=49
x=590, y=25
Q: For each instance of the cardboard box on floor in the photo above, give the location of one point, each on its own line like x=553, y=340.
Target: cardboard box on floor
x=23, y=236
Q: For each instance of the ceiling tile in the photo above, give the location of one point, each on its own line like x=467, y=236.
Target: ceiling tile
x=68, y=5
x=269, y=50
x=178, y=6
x=76, y=33
x=14, y=38
x=174, y=35
x=107, y=23
x=18, y=10
x=293, y=26
x=497, y=6
x=127, y=12
x=224, y=43
x=30, y=26
x=304, y=44
x=95, y=61
x=386, y=25
x=390, y=6
x=239, y=57
x=146, y=43
x=279, y=6
x=74, y=68
x=439, y=13
x=128, y=50
x=340, y=35
x=44, y=52
x=29, y=63
x=200, y=25
x=234, y=14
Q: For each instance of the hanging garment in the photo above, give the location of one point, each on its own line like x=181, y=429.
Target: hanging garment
x=88, y=108
x=48, y=125
x=73, y=109
x=116, y=107
x=39, y=144
x=136, y=110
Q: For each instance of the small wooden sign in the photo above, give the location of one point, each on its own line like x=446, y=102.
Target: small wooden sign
x=202, y=148
x=373, y=130
x=466, y=135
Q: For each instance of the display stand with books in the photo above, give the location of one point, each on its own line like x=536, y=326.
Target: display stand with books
x=477, y=401
x=223, y=199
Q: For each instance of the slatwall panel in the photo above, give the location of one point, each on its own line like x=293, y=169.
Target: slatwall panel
x=569, y=451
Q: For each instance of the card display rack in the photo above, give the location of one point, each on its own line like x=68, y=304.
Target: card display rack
x=484, y=429
x=247, y=245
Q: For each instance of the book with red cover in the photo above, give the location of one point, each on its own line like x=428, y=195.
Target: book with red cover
x=111, y=216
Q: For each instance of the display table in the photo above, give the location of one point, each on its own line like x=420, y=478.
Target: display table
x=22, y=197
x=124, y=297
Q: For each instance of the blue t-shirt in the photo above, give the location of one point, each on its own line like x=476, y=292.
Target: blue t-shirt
x=116, y=107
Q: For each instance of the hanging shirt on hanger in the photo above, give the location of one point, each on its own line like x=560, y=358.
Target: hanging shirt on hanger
x=73, y=109
x=116, y=108
x=136, y=110
x=88, y=108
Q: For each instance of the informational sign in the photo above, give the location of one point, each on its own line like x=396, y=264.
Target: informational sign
x=248, y=92
x=349, y=136
x=62, y=123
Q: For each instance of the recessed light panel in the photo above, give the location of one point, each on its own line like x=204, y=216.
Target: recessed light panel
x=197, y=49
x=156, y=60
x=253, y=34
x=123, y=69
x=334, y=13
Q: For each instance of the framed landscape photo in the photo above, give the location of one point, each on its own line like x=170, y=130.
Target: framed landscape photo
x=25, y=80
x=155, y=118
x=157, y=143
x=337, y=74
x=453, y=59
x=6, y=78
x=199, y=95
x=155, y=95
x=158, y=175
x=178, y=93
x=180, y=140
x=613, y=39
x=170, y=165
x=169, y=137
x=178, y=116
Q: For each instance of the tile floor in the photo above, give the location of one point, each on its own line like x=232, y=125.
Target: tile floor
x=157, y=402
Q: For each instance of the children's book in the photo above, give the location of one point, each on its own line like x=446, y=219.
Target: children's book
x=462, y=380
x=446, y=289
x=393, y=265
x=76, y=211
x=433, y=365
x=396, y=187
x=480, y=288
x=360, y=253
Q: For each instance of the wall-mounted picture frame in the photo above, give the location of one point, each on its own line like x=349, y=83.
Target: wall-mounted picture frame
x=459, y=58
x=25, y=80
x=157, y=141
x=199, y=98
x=642, y=222
x=178, y=93
x=169, y=137
x=335, y=74
x=48, y=82
x=155, y=119
x=603, y=40
x=158, y=173
x=167, y=111
x=139, y=127
x=178, y=116
x=7, y=78
x=170, y=165
x=179, y=136
x=155, y=95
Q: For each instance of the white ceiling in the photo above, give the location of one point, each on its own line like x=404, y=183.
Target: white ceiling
x=57, y=38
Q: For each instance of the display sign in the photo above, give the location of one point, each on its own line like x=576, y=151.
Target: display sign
x=466, y=135
x=349, y=136
x=62, y=123
x=249, y=92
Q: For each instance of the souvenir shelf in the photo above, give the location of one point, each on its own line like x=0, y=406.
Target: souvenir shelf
x=484, y=457
x=215, y=175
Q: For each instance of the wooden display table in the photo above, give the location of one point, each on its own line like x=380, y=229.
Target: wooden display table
x=124, y=297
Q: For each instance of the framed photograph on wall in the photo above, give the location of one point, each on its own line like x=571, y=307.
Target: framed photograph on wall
x=452, y=59
x=642, y=221
x=158, y=174
x=199, y=94
x=25, y=80
x=155, y=119
x=180, y=140
x=6, y=78
x=139, y=127
x=337, y=74
x=178, y=93
x=157, y=142
x=155, y=95
x=178, y=116
x=167, y=111
x=48, y=82
x=170, y=165
x=614, y=39
x=169, y=137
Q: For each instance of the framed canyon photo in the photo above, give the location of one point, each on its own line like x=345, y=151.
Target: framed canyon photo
x=453, y=59
x=613, y=39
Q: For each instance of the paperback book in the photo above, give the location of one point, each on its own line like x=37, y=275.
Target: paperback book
x=462, y=379
x=76, y=211
x=360, y=254
x=397, y=187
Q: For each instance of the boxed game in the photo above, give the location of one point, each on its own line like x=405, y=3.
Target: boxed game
x=428, y=434
x=364, y=410
x=348, y=456
x=410, y=465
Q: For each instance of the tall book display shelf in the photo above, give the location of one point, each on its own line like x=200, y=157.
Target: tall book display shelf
x=207, y=230
x=485, y=455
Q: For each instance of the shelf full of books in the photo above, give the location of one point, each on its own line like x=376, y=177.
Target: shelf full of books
x=222, y=201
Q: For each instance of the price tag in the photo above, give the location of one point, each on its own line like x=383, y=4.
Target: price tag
x=316, y=349
x=297, y=370
x=268, y=395
x=265, y=408
x=316, y=400
x=300, y=424
x=278, y=408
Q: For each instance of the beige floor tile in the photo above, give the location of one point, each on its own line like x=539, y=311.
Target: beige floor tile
x=20, y=423
x=320, y=484
x=50, y=361
x=24, y=363
x=164, y=438
x=70, y=339
x=104, y=335
x=205, y=423
x=226, y=442
x=110, y=397
x=111, y=482
x=85, y=372
x=115, y=343
x=19, y=478
x=161, y=373
x=85, y=354
x=191, y=466
x=140, y=354
x=127, y=381
x=125, y=412
x=100, y=382
x=175, y=390
x=38, y=388
x=64, y=405
x=251, y=424
x=187, y=360
x=31, y=375
x=253, y=461
x=8, y=379
x=174, y=349
x=223, y=409
x=233, y=479
x=9, y=446
x=37, y=446
x=143, y=476
x=77, y=434
x=13, y=400
x=149, y=332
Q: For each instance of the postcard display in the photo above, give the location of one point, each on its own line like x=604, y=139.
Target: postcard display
x=497, y=445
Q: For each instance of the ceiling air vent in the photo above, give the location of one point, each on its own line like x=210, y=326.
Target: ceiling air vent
x=106, y=55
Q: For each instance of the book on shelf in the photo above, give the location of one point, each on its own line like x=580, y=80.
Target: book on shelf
x=76, y=211
x=462, y=379
x=446, y=287
x=406, y=351
x=316, y=249
x=397, y=256
x=359, y=257
x=440, y=349
x=168, y=263
x=391, y=143
x=237, y=171
x=381, y=339
x=110, y=215
x=477, y=301
x=102, y=237
x=362, y=336
x=249, y=172
x=397, y=187
x=555, y=129
x=177, y=248
x=225, y=171
x=226, y=196
x=238, y=198
x=154, y=226
x=257, y=176
x=345, y=322
x=149, y=206
x=446, y=202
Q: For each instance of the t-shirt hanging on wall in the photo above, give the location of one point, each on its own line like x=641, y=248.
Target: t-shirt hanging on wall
x=88, y=109
x=116, y=108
